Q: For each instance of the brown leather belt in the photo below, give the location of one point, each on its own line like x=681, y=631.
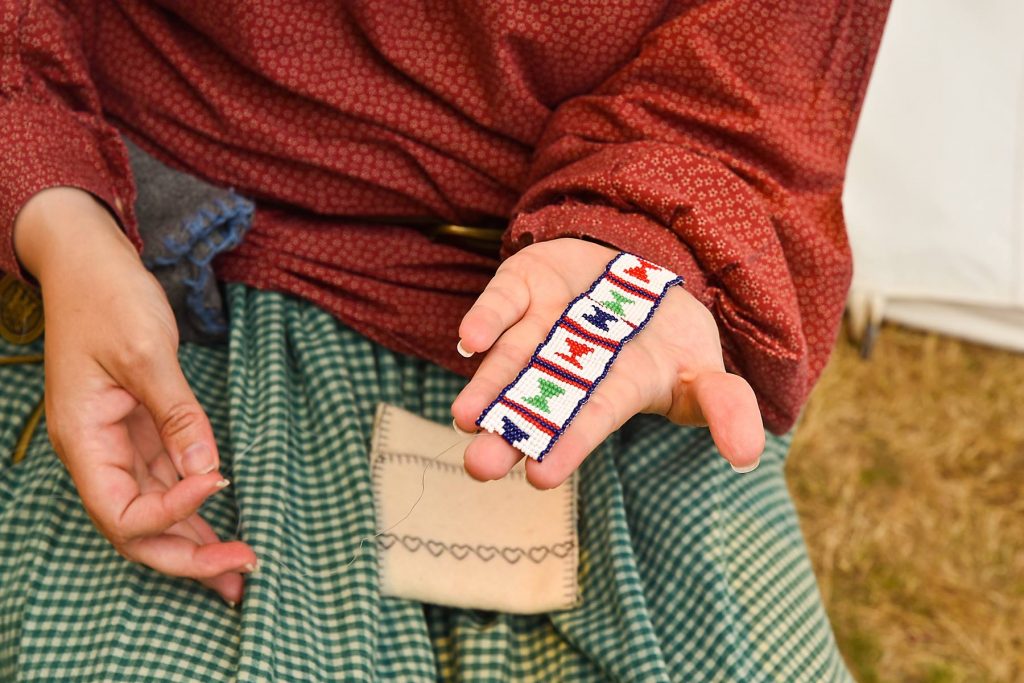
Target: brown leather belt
x=482, y=240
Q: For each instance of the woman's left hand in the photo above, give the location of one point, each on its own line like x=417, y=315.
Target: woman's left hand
x=673, y=367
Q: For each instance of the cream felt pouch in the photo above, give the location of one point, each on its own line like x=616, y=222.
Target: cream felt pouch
x=499, y=545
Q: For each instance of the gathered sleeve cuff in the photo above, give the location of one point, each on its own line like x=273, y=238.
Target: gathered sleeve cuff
x=719, y=150
x=51, y=123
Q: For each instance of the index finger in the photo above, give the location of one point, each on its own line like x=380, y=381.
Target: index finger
x=126, y=513
x=100, y=468
x=180, y=556
x=502, y=303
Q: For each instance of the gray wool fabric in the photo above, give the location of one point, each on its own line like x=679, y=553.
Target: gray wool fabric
x=185, y=222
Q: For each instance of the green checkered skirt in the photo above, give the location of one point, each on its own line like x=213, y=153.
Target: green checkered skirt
x=689, y=572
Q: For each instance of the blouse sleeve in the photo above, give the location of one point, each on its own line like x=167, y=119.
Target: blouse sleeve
x=51, y=125
x=720, y=151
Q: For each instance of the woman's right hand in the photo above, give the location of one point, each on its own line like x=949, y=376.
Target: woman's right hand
x=119, y=411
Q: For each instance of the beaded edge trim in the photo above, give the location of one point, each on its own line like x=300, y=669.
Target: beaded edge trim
x=677, y=280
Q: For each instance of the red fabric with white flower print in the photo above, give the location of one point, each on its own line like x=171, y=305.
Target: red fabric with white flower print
x=708, y=136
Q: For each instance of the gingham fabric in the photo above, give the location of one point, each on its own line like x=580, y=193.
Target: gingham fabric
x=689, y=572
x=533, y=411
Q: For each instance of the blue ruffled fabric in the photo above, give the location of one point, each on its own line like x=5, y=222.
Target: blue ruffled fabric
x=214, y=228
x=185, y=223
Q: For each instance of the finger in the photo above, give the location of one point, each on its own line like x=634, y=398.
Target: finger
x=503, y=362
x=154, y=377
x=128, y=504
x=615, y=400
x=728, y=405
x=146, y=438
x=124, y=512
x=162, y=469
x=230, y=585
x=500, y=306
x=180, y=556
x=489, y=457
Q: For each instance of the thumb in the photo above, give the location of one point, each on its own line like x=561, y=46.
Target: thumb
x=183, y=426
x=727, y=404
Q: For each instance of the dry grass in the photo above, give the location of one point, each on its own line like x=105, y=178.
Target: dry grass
x=908, y=472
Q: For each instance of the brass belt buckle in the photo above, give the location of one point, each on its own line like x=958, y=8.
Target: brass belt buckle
x=486, y=241
x=21, y=311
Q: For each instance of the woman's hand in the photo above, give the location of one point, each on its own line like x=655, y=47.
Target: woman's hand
x=673, y=367
x=119, y=411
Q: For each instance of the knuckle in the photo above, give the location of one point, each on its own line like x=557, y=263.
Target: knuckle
x=124, y=552
x=508, y=355
x=117, y=537
x=603, y=410
x=112, y=529
x=516, y=261
x=705, y=318
x=498, y=292
x=175, y=513
x=139, y=353
x=178, y=418
x=112, y=525
x=683, y=408
x=487, y=312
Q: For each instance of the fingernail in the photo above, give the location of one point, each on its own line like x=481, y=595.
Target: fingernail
x=462, y=351
x=231, y=603
x=249, y=567
x=223, y=483
x=198, y=459
x=748, y=468
x=459, y=430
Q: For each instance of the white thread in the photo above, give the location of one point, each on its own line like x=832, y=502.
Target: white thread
x=423, y=490
x=275, y=559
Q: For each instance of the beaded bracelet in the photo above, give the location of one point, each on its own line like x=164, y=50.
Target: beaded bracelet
x=534, y=410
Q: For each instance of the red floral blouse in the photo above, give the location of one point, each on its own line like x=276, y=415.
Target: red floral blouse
x=710, y=136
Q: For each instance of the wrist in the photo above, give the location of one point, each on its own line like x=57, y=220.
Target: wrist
x=65, y=227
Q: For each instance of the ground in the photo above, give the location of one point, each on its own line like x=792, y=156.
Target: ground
x=908, y=473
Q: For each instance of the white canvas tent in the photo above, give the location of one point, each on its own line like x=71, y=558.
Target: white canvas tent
x=935, y=193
